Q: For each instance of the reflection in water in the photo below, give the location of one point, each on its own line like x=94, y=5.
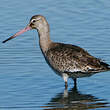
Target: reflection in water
x=74, y=100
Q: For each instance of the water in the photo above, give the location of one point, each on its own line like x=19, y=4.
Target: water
x=26, y=81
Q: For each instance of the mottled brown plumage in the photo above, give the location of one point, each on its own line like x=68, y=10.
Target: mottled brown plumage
x=66, y=59
x=71, y=59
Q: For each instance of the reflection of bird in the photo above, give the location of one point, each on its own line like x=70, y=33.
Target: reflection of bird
x=74, y=100
x=69, y=61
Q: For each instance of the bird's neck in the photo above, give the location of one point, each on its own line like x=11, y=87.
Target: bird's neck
x=44, y=39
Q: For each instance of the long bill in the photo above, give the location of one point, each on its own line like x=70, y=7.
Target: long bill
x=18, y=33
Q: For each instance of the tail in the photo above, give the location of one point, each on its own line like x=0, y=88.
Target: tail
x=105, y=66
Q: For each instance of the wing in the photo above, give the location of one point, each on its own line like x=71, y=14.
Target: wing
x=71, y=58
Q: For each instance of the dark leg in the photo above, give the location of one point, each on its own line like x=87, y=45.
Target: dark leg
x=75, y=82
x=66, y=85
x=65, y=78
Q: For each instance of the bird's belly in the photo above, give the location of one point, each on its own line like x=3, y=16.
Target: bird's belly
x=79, y=75
x=67, y=67
x=59, y=71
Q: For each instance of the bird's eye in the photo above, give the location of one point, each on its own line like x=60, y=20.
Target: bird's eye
x=33, y=21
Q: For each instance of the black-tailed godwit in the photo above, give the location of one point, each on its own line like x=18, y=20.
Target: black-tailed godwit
x=68, y=61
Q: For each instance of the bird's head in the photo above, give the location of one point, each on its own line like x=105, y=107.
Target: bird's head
x=36, y=22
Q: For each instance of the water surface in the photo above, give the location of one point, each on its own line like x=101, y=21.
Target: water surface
x=26, y=81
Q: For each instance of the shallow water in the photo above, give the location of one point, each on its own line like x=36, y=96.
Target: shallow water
x=26, y=81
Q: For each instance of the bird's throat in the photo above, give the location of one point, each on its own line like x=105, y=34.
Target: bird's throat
x=44, y=41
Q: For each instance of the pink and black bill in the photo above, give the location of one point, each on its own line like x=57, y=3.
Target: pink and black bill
x=18, y=33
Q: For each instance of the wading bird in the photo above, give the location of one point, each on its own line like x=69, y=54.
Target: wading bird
x=68, y=61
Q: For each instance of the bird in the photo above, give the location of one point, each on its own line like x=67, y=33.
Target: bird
x=67, y=60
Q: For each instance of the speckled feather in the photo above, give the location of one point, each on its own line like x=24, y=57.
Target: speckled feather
x=67, y=58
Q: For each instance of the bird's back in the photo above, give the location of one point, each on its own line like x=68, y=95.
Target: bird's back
x=67, y=58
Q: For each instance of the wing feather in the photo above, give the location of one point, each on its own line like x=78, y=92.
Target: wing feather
x=71, y=58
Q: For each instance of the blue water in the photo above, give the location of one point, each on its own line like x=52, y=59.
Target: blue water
x=26, y=81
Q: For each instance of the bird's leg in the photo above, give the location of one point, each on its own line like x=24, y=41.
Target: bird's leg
x=65, y=78
x=75, y=82
x=66, y=85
